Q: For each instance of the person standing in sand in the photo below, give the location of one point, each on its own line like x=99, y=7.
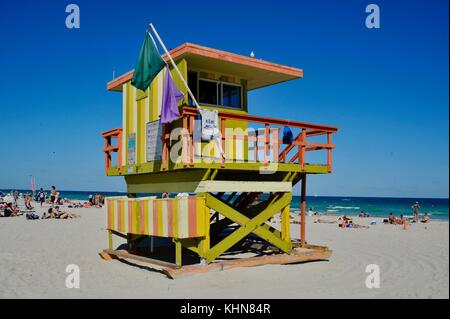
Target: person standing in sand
x=53, y=193
x=416, y=210
x=41, y=196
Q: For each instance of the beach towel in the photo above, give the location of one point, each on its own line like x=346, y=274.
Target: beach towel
x=171, y=96
x=210, y=124
x=288, y=137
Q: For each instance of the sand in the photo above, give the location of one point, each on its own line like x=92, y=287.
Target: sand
x=413, y=264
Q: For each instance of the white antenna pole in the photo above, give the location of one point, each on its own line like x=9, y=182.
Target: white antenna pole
x=175, y=66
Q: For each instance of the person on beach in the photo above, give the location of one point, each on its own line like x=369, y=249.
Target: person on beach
x=425, y=218
x=91, y=199
x=15, y=195
x=53, y=193
x=10, y=211
x=28, y=202
x=50, y=214
x=346, y=222
x=416, y=210
x=64, y=215
x=97, y=200
x=41, y=196
x=400, y=221
x=323, y=221
x=391, y=218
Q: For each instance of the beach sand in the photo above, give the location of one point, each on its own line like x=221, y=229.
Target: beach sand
x=414, y=263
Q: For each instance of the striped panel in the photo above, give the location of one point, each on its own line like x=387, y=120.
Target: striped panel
x=170, y=223
x=177, y=217
x=183, y=229
x=192, y=216
x=165, y=217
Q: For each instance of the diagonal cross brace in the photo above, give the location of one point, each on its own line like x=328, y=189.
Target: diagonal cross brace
x=250, y=212
x=254, y=225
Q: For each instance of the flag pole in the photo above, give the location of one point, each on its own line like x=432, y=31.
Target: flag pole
x=175, y=66
x=184, y=82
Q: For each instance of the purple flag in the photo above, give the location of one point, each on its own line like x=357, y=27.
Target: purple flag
x=171, y=96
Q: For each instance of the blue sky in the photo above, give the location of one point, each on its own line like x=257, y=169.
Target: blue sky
x=386, y=89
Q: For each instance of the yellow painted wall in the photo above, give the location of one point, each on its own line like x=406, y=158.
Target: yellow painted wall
x=141, y=107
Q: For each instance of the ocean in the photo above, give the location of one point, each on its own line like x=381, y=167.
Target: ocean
x=375, y=206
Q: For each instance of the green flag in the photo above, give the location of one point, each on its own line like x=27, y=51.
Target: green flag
x=148, y=65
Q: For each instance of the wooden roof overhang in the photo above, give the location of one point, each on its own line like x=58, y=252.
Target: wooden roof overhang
x=257, y=72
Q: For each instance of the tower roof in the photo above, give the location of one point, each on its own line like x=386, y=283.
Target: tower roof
x=257, y=72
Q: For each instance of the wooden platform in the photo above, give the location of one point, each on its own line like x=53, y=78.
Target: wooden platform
x=300, y=254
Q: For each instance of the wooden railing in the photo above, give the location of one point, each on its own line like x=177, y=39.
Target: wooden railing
x=109, y=149
x=267, y=133
x=270, y=138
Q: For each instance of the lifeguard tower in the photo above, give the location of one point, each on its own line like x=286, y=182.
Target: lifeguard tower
x=232, y=197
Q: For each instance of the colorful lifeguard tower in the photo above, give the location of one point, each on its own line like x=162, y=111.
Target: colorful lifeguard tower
x=232, y=197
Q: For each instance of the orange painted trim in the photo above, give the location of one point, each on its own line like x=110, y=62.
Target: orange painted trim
x=142, y=217
x=119, y=215
x=188, y=110
x=190, y=48
x=155, y=218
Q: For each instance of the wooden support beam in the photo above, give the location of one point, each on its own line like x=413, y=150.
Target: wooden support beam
x=275, y=259
x=302, y=149
x=178, y=253
x=286, y=224
x=329, y=160
x=302, y=211
x=121, y=253
x=110, y=240
x=247, y=225
x=250, y=212
x=243, y=186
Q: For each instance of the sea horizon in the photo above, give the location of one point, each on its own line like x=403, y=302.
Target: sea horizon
x=438, y=208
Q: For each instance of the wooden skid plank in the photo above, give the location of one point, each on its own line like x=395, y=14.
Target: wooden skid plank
x=278, y=259
x=307, y=246
x=126, y=255
x=106, y=256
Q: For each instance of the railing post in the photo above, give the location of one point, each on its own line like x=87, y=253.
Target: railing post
x=107, y=154
x=222, y=132
x=185, y=142
x=255, y=148
x=266, y=142
x=301, y=157
x=191, y=141
x=302, y=211
x=119, y=151
x=276, y=144
x=329, y=160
